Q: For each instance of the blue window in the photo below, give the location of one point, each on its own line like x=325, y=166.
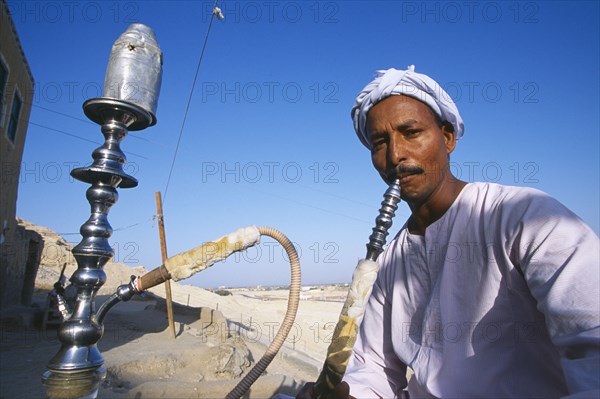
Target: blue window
x=13, y=121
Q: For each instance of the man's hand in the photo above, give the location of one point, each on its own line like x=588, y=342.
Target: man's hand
x=342, y=391
x=306, y=391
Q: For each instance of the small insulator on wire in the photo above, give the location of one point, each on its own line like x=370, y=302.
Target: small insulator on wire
x=217, y=11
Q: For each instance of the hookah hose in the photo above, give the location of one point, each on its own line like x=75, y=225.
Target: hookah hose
x=185, y=264
x=363, y=278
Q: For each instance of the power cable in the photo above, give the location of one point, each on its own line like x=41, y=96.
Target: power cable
x=88, y=121
x=190, y=98
x=116, y=229
x=63, y=114
x=80, y=138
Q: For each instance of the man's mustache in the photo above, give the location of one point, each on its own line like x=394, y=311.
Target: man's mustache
x=404, y=170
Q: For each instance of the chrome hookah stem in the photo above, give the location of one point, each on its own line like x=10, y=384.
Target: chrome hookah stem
x=79, y=333
x=383, y=222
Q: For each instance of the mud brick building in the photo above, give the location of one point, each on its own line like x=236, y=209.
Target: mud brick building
x=20, y=248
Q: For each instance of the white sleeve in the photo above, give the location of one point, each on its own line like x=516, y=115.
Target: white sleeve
x=374, y=370
x=559, y=257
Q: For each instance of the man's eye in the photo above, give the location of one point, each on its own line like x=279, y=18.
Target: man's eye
x=411, y=132
x=378, y=143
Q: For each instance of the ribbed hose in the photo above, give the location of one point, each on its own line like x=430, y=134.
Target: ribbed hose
x=292, y=307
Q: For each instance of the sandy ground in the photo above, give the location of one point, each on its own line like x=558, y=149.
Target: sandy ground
x=218, y=338
x=257, y=316
x=143, y=360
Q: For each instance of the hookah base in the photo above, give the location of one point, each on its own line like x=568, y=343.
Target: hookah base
x=73, y=385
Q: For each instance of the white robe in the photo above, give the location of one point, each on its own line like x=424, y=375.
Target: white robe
x=499, y=299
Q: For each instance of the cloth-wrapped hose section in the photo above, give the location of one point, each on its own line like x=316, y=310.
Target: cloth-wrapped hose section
x=186, y=264
x=346, y=330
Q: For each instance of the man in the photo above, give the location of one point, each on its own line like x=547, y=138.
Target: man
x=488, y=290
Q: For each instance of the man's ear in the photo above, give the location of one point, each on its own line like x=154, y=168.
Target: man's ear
x=449, y=136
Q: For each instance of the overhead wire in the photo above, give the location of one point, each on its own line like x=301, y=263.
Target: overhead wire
x=63, y=114
x=80, y=138
x=118, y=228
x=90, y=122
x=187, y=107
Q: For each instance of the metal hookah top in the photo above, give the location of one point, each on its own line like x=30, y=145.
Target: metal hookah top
x=133, y=78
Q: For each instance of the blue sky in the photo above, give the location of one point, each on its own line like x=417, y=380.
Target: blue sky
x=268, y=139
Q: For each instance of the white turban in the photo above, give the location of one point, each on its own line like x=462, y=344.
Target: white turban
x=395, y=82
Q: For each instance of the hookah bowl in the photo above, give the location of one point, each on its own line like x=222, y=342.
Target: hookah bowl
x=129, y=102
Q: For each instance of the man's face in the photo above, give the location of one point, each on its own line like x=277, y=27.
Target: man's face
x=406, y=138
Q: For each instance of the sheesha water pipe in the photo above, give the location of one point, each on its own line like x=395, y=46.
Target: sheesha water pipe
x=131, y=89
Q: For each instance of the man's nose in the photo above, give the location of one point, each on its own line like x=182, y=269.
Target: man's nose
x=396, y=150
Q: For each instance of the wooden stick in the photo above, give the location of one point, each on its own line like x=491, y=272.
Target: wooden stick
x=163, y=250
x=153, y=278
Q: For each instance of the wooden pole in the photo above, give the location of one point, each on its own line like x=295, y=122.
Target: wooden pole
x=163, y=250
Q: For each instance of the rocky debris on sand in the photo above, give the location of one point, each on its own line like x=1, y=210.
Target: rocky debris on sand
x=57, y=253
